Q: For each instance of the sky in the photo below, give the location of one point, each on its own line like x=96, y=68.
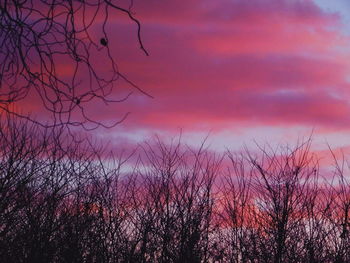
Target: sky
x=237, y=71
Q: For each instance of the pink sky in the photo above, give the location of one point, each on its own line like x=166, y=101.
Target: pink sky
x=238, y=70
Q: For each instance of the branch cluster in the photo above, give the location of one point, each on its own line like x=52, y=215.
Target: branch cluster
x=66, y=201
x=57, y=53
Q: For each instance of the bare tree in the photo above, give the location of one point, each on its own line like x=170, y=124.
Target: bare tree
x=57, y=197
x=269, y=202
x=176, y=202
x=64, y=200
x=39, y=38
x=338, y=212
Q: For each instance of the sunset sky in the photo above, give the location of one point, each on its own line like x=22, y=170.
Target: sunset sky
x=238, y=71
x=175, y=130
x=235, y=71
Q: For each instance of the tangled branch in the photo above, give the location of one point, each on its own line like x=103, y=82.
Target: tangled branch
x=49, y=51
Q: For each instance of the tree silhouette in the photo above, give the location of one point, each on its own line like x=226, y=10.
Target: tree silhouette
x=64, y=200
x=39, y=38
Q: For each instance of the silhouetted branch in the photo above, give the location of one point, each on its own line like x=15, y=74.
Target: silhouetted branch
x=50, y=55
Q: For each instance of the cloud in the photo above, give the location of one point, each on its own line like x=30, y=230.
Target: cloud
x=263, y=62
x=217, y=64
